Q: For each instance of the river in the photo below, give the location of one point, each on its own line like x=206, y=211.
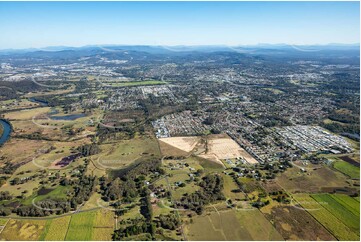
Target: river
x=6, y=130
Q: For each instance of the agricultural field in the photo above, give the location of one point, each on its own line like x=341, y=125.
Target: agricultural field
x=56, y=229
x=347, y=169
x=326, y=214
x=103, y=226
x=294, y=180
x=231, y=224
x=348, y=214
x=289, y=219
x=81, y=226
x=23, y=229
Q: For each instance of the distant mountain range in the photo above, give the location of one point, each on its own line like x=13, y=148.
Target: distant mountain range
x=183, y=48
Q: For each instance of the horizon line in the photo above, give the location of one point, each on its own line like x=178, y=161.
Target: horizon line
x=182, y=45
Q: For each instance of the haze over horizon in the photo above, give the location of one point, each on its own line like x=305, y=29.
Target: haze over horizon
x=77, y=24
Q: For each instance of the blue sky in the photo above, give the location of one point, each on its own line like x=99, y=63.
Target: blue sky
x=40, y=24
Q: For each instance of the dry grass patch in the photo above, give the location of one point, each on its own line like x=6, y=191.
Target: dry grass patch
x=23, y=230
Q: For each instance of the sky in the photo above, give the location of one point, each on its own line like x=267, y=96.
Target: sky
x=41, y=24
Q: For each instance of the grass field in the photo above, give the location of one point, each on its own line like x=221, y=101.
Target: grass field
x=208, y=165
x=228, y=186
x=81, y=226
x=274, y=90
x=57, y=193
x=134, y=83
x=326, y=218
x=26, y=114
x=56, y=229
x=120, y=154
x=346, y=168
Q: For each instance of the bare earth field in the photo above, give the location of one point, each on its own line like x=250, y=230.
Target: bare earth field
x=222, y=147
x=168, y=150
x=186, y=144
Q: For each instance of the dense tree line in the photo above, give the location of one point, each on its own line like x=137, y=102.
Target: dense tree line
x=211, y=191
x=5, y=196
x=89, y=149
x=9, y=167
x=119, y=189
x=4, y=211
x=169, y=221
x=146, y=206
x=128, y=182
x=137, y=226
x=341, y=128
x=344, y=117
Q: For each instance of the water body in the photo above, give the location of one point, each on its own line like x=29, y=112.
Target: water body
x=70, y=117
x=67, y=117
x=6, y=131
x=34, y=100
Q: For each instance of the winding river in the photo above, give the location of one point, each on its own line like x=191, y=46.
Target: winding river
x=5, y=131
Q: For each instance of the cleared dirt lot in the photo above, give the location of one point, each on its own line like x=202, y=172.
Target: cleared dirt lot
x=186, y=144
x=211, y=147
x=223, y=147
